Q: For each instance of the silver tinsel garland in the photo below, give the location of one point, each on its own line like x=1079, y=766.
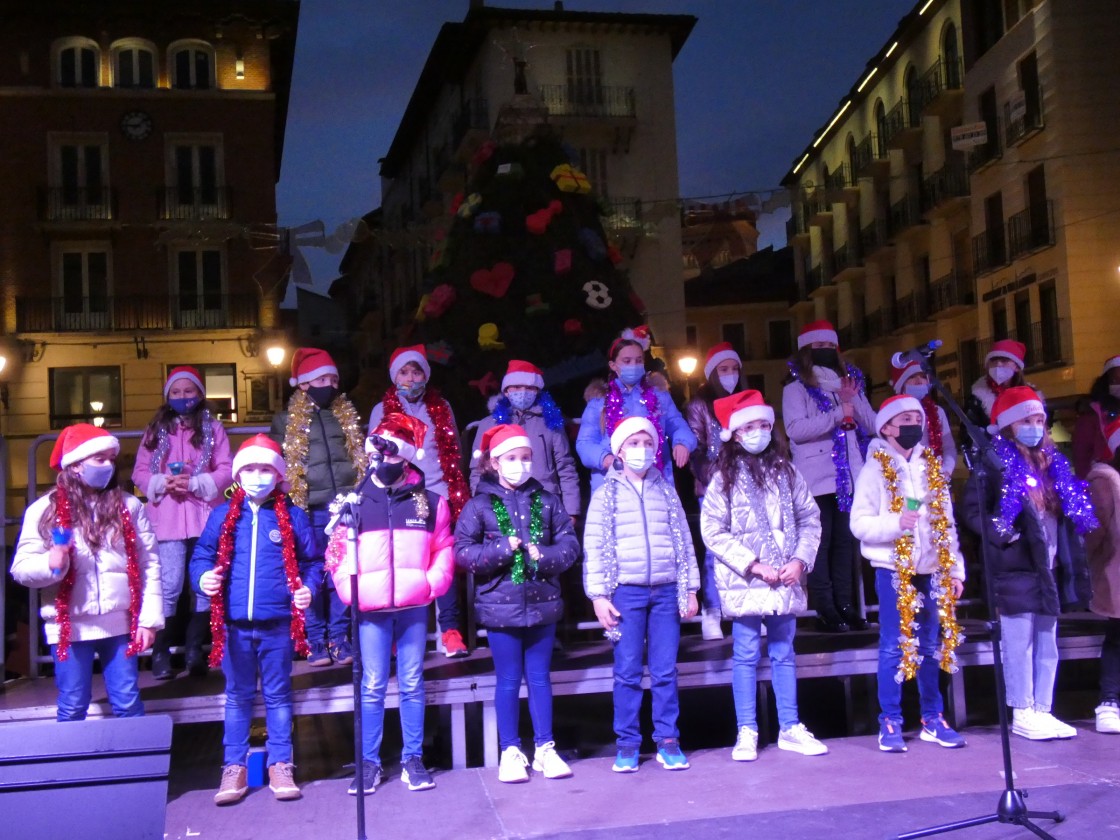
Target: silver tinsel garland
x=771, y=554
x=163, y=446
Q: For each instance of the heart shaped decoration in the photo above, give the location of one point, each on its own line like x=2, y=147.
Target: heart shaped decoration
x=493, y=281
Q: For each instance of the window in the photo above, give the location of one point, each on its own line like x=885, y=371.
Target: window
x=690, y=336
x=134, y=65
x=78, y=178
x=1051, y=338
x=1032, y=91
x=195, y=179
x=1015, y=10
x=79, y=63
x=585, y=77
x=192, y=66
x=736, y=336
x=779, y=339
x=83, y=287
x=85, y=394
x=950, y=51
x=1023, y=331
x=593, y=162
x=982, y=23
x=221, y=387
x=999, y=320
x=199, y=289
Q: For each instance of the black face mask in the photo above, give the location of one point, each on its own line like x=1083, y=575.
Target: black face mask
x=322, y=395
x=827, y=357
x=909, y=435
x=389, y=473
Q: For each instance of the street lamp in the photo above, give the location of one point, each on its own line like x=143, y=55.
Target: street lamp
x=687, y=366
x=275, y=355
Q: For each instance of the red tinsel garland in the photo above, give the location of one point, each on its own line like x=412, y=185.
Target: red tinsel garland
x=933, y=425
x=447, y=445
x=225, y=558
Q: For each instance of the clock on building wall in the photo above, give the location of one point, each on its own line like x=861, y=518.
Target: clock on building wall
x=136, y=125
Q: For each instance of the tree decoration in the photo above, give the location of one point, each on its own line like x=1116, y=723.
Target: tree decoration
x=562, y=261
x=488, y=337
x=570, y=180
x=573, y=327
x=593, y=244
x=510, y=170
x=468, y=206
x=535, y=305
x=489, y=222
x=494, y=281
x=422, y=308
x=439, y=352
x=598, y=295
x=438, y=302
x=486, y=384
x=614, y=255
x=484, y=153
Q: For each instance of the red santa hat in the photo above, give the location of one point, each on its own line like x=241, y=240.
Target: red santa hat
x=896, y=405
x=1114, y=362
x=1014, y=404
x=404, y=431
x=719, y=354
x=640, y=335
x=899, y=375
x=631, y=426
x=188, y=373
x=76, y=443
x=739, y=409
x=523, y=373
x=309, y=363
x=817, y=331
x=1016, y=351
x=498, y=440
x=259, y=449
x=403, y=355
x=1112, y=435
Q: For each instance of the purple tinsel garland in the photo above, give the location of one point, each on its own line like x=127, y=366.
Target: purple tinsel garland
x=553, y=417
x=613, y=413
x=1018, y=476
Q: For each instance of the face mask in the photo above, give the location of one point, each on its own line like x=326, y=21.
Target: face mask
x=181, y=405
x=754, y=442
x=389, y=473
x=631, y=375
x=639, y=458
x=97, y=477
x=322, y=395
x=1114, y=390
x=729, y=381
x=918, y=392
x=411, y=392
x=257, y=485
x=827, y=357
x=1030, y=436
x=516, y=472
x=909, y=435
x=1001, y=375
x=522, y=400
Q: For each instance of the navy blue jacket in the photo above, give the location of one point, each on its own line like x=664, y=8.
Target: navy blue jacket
x=255, y=587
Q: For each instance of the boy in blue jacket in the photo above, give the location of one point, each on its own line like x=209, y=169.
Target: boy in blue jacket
x=251, y=560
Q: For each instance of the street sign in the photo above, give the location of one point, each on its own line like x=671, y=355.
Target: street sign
x=969, y=136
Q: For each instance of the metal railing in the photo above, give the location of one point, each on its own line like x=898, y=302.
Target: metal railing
x=950, y=181
x=872, y=237
x=1031, y=120
x=957, y=288
x=941, y=76
x=1044, y=340
x=905, y=213
x=880, y=323
x=589, y=101
x=989, y=250
x=839, y=178
x=818, y=276
x=625, y=214
x=846, y=256
x=898, y=119
x=867, y=151
x=136, y=312
x=910, y=309
x=194, y=204
x=797, y=224
x=1031, y=229
x=988, y=152
x=77, y=204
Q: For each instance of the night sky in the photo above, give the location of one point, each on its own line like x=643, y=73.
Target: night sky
x=754, y=81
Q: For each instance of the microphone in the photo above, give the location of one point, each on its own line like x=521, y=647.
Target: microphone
x=381, y=448
x=905, y=357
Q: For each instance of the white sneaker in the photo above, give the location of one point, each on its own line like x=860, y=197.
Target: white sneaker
x=514, y=766
x=800, y=740
x=1027, y=724
x=1060, y=729
x=1108, y=718
x=710, y=627
x=547, y=761
x=746, y=745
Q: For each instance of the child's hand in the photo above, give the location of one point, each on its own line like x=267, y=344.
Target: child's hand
x=606, y=613
x=534, y=552
x=210, y=583
x=302, y=598
x=848, y=391
x=908, y=519
x=680, y=455
x=956, y=587
x=58, y=558
x=692, y=608
x=790, y=573
x=514, y=543
x=145, y=637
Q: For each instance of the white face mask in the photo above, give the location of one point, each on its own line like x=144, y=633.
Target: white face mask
x=729, y=381
x=1001, y=375
x=639, y=458
x=754, y=441
x=257, y=485
x=516, y=473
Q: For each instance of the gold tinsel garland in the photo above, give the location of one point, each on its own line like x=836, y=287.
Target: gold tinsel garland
x=951, y=633
x=297, y=435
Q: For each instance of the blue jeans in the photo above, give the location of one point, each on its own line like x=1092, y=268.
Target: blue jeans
x=327, y=619
x=173, y=558
x=252, y=647
x=1030, y=659
x=647, y=613
x=518, y=652
x=74, y=678
x=746, y=633
x=928, y=636
x=377, y=631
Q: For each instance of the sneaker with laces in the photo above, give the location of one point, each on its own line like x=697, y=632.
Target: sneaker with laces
x=234, y=784
x=1059, y=728
x=453, y=645
x=513, y=767
x=548, y=762
x=937, y=731
x=626, y=761
x=798, y=739
x=319, y=657
x=710, y=628
x=1108, y=717
x=670, y=756
x=1026, y=724
x=341, y=652
x=746, y=745
x=416, y=775
x=370, y=779
x=282, y=782
x=890, y=736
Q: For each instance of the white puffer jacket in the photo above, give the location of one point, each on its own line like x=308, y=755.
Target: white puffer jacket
x=641, y=533
x=735, y=534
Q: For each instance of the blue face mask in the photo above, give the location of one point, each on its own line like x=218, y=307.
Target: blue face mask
x=411, y=392
x=522, y=400
x=99, y=476
x=181, y=405
x=1030, y=435
x=918, y=392
x=631, y=375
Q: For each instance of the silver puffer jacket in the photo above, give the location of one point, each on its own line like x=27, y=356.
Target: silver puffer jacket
x=733, y=531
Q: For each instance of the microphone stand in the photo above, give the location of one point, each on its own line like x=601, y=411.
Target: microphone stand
x=983, y=462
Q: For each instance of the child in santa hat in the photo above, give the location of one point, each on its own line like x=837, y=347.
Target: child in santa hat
x=937, y=435
x=256, y=561
x=324, y=455
x=902, y=514
x=405, y=561
x=441, y=462
x=1003, y=369
x=1103, y=548
x=183, y=467
x=760, y=521
x=641, y=576
x=516, y=539
x=89, y=547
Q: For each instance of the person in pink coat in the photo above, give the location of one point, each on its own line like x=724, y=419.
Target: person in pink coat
x=405, y=560
x=183, y=467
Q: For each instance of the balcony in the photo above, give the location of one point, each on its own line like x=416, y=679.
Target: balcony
x=596, y=101
x=952, y=292
x=945, y=189
x=939, y=89
x=470, y=128
x=1031, y=229
x=77, y=204
x=899, y=124
x=846, y=259
x=840, y=179
x=1044, y=340
x=798, y=224
x=911, y=309
x=879, y=324
x=818, y=207
x=989, y=251
x=1029, y=121
x=136, y=312
x=625, y=214
x=870, y=157
x=851, y=336
x=872, y=237
x=990, y=152
x=818, y=277
x=905, y=214
x=187, y=204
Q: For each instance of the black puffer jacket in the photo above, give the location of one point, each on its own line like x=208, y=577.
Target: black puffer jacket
x=481, y=548
x=329, y=468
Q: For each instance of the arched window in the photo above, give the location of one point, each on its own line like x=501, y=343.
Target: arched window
x=913, y=96
x=77, y=62
x=950, y=51
x=134, y=64
x=880, y=129
x=192, y=65
x=853, y=163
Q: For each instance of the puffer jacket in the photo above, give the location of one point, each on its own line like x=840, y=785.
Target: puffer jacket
x=329, y=468
x=877, y=528
x=1103, y=544
x=810, y=436
x=734, y=531
x=481, y=548
x=405, y=559
x=702, y=460
x=641, y=534
x=99, y=601
x=553, y=464
x=256, y=586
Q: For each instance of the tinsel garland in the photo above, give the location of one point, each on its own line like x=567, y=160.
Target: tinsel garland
x=521, y=558
x=63, y=519
x=840, y=460
x=933, y=425
x=297, y=441
x=612, y=413
x=771, y=555
x=447, y=445
x=1018, y=478
x=163, y=446
x=942, y=589
x=553, y=418
x=909, y=600
x=226, y=537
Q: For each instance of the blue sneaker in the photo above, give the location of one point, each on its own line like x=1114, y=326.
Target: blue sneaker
x=890, y=736
x=626, y=761
x=938, y=731
x=669, y=755
x=319, y=657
